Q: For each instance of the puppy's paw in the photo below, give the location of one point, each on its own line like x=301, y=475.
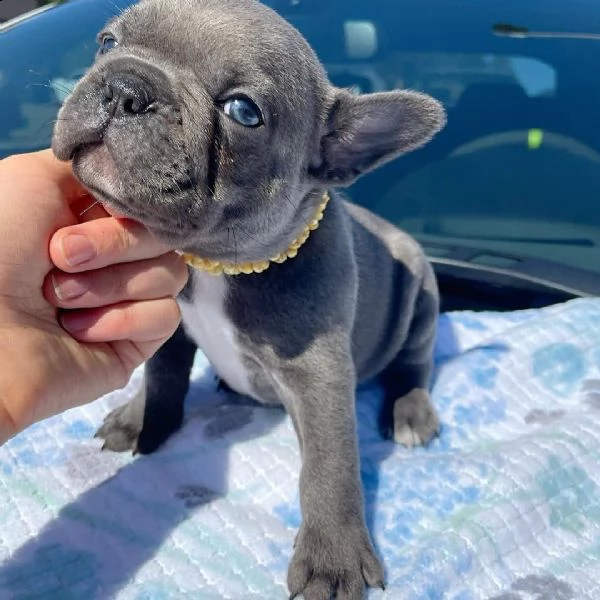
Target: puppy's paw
x=125, y=428
x=121, y=429
x=416, y=421
x=333, y=565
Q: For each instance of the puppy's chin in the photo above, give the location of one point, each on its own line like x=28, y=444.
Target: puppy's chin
x=95, y=168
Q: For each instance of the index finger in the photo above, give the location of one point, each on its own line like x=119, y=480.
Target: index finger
x=102, y=242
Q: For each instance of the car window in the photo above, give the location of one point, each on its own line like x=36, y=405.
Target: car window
x=517, y=168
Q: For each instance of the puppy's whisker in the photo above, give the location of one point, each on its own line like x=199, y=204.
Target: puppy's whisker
x=44, y=85
x=180, y=223
x=247, y=234
x=235, y=248
x=89, y=208
x=49, y=124
x=54, y=122
x=297, y=211
x=49, y=83
x=192, y=188
x=114, y=10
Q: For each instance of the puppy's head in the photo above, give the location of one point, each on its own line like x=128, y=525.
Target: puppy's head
x=213, y=123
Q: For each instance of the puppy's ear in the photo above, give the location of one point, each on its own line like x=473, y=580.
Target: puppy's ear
x=365, y=131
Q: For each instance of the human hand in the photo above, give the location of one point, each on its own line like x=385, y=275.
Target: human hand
x=58, y=350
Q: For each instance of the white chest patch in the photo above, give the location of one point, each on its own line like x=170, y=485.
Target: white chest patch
x=207, y=324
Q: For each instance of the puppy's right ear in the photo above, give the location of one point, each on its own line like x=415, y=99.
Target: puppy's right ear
x=366, y=131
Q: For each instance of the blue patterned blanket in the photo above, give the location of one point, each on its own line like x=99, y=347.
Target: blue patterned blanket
x=505, y=505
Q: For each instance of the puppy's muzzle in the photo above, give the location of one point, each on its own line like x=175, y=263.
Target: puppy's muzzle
x=122, y=93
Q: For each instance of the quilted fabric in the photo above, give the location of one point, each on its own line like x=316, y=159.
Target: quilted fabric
x=505, y=505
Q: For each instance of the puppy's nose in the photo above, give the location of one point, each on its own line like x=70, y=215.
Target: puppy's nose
x=127, y=95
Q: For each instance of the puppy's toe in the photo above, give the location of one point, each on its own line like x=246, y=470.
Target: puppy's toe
x=416, y=421
x=337, y=563
x=406, y=436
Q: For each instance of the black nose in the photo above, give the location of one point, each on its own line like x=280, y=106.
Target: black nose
x=127, y=95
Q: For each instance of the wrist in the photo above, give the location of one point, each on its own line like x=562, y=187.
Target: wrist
x=19, y=382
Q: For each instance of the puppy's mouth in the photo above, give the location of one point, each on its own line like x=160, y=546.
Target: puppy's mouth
x=95, y=168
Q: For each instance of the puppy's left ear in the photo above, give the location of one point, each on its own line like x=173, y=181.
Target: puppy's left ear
x=365, y=131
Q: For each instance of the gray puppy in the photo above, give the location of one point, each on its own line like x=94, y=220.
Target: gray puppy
x=213, y=123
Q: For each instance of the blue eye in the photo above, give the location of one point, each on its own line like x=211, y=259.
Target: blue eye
x=107, y=43
x=244, y=111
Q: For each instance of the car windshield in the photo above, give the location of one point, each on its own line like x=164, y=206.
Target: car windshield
x=516, y=170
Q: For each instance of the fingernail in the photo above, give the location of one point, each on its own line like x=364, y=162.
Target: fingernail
x=77, y=321
x=77, y=249
x=68, y=289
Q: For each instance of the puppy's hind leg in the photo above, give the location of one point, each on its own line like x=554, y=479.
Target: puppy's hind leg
x=408, y=415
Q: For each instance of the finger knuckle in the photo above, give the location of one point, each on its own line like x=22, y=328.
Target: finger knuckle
x=172, y=314
x=150, y=320
x=182, y=275
x=170, y=318
x=173, y=276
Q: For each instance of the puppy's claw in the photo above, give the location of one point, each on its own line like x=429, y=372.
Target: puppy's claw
x=372, y=570
x=406, y=436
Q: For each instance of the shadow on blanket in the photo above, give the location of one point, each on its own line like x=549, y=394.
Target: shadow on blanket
x=96, y=544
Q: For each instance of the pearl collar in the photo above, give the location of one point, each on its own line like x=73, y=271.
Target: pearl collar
x=215, y=267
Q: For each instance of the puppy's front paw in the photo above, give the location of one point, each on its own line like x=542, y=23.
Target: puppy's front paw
x=126, y=429
x=336, y=564
x=416, y=421
x=121, y=429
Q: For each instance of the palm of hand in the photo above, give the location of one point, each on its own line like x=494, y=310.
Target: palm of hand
x=60, y=368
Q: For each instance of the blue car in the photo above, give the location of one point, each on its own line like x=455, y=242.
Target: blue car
x=505, y=504
x=505, y=199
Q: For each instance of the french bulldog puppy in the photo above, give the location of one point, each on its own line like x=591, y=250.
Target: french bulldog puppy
x=213, y=123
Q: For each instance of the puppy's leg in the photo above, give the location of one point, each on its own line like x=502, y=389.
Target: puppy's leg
x=144, y=423
x=408, y=414
x=333, y=550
